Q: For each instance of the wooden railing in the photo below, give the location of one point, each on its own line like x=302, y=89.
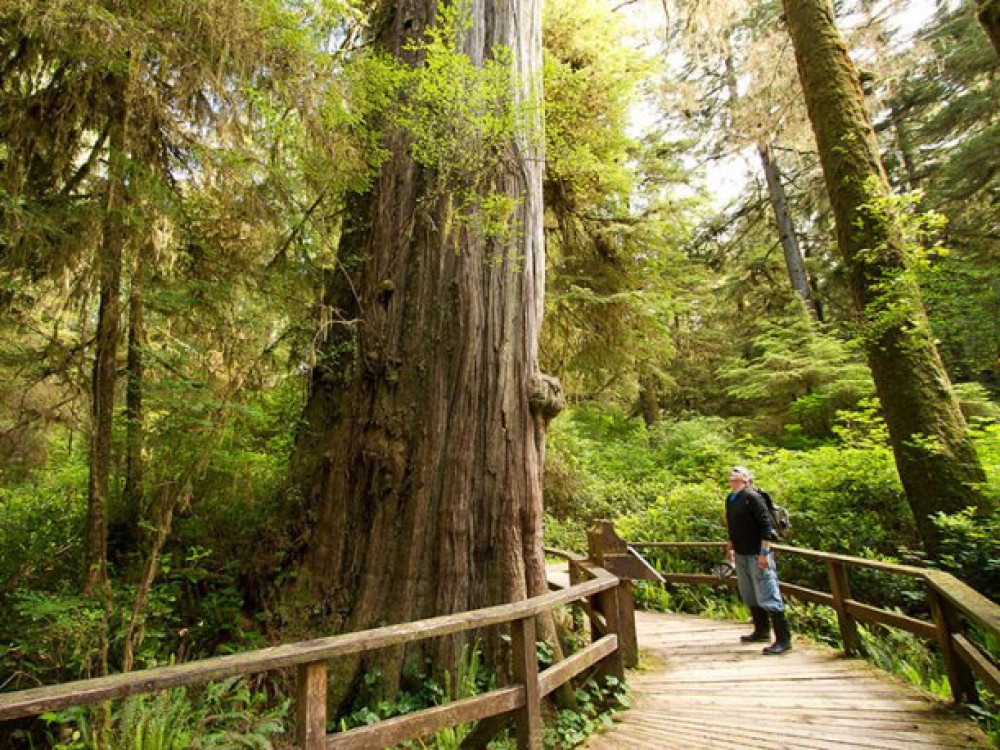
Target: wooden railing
x=952, y=605
x=522, y=698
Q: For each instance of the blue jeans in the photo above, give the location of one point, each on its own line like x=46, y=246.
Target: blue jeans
x=758, y=588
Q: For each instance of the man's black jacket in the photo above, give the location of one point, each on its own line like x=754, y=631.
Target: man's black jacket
x=748, y=521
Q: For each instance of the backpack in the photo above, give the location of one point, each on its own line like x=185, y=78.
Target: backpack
x=779, y=516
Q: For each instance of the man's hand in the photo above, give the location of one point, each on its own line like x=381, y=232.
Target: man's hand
x=730, y=556
x=762, y=562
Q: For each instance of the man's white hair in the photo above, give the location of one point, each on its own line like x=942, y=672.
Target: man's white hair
x=744, y=472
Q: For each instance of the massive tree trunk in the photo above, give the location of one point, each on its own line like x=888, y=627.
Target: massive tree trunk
x=786, y=230
x=421, y=458
x=109, y=266
x=934, y=457
x=988, y=12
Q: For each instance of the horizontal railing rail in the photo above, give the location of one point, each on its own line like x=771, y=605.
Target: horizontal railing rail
x=952, y=604
x=522, y=698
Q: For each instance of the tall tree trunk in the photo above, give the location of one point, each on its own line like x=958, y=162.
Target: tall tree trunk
x=786, y=229
x=425, y=426
x=904, y=149
x=934, y=457
x=649, y=398
x=794, y=262
x=988, y=12
x=109, y=265
x=133, y=491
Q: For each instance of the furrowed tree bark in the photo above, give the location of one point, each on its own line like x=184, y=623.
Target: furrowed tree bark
x=936, y=462
x=988, y=13
x=794, y=261
x=109, y=266
x=422, y=454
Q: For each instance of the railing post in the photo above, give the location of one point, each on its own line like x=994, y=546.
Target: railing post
x=525, y=656
x=312, y=706
x=609, y=601
x=946, y=622
x=628, y=635
x=603, y=547
x=840, y=587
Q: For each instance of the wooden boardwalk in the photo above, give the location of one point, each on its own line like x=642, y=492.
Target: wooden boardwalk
x=699, y=687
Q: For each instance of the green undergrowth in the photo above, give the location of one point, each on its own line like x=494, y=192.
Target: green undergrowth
x=241, y=713
x=234, y=713
x=596, y=697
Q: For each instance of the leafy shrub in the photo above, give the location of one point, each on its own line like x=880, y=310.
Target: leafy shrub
x=904, y=654
x=841, y=499
x=596, y=701
x=40, y=525
x=227, y=714
x=599, y=464
x=694, y=449
x=568, y=534
x=976, y=402
x=602, y=464
x=846, y=500
x=686, y=512
x=970, y=549
x=53, y=636
x=191, y=611
x=796, y=380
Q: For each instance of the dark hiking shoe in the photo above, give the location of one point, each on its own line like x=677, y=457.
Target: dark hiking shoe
x=782, y=635
x=777, y=648
x=761, y=627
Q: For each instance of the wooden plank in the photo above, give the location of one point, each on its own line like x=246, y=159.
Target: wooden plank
x=985, y=669
x=909, y=721
x=806, y=595
x=573, y=665
x=676, y=545
x=761, y=733
x=967, y=600
x=884, y=617
x=311, y=706
x=810, y=554
x=597, y=622
x=424, y=723
x=909, y=571
x=54, y=697
x=746, y=736
x=782, y=702
x=699, y=579
x=688, y=698
x=628, y=637
x=629, y=564
x=840, y=587
x=525, y=669
x=564, y=554
x=614, y=664
x=946, y=621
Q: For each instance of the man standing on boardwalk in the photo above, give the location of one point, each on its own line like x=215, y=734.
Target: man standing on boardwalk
x=749, y=550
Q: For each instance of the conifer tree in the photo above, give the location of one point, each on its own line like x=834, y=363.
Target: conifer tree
x=935, y=459
x=422, y=450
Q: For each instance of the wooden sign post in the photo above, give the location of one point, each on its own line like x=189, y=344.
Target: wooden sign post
x=608, y=550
